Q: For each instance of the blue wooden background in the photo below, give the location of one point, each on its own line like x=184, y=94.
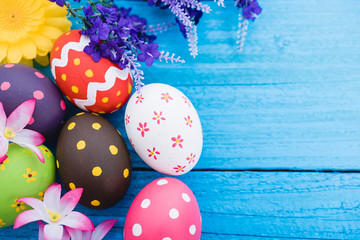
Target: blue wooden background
x=281, y=121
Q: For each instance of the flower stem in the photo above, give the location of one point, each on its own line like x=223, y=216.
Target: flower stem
x=75, y=14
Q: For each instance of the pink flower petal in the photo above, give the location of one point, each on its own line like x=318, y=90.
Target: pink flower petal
x=69, y=200
x=66, y=235
x=36, y=150
x=2, y=118
x=29, y=137
x=41, y=230
x=102, y=229
x=3, y=158
x=4, y=145
x=20, y=117
x=27, y=217
x=75, y=234
x=35, y=203
x=53, y=232
x=52, y=197
x=77, y=220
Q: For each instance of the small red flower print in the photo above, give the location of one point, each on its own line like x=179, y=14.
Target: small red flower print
x=158, y=117
x=143, y=129
x=191, y=158
x=132, y=144
x=186, y=100
x=127, y=119
x=166, y=97
x=177, y=141
x=139, y=99
x=179, y=168
x=153, y=153
x=188, y=121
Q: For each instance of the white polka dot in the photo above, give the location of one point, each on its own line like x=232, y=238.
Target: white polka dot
x=174, y=213
x=137, y=230
x=162, y=182
x=186, y=197
x=167, y=238
x=192, y=229
x=145, y=203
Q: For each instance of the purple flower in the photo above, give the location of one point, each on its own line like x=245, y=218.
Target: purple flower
x=122, y=29
x=136, y=23
x=98, y=31
x=124, y=12
x=149, y=53
x=93, y=49
x=59, y=2
x=88, y=11
x=111, y=51
x=109, y=14
x=252, y=10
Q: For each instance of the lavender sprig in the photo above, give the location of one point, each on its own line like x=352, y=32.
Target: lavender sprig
x=159, y=28
x=241, y=33
x=248, y=9
x=188, y=14
x=191, y=32
x=220, y=3
x=166, y=57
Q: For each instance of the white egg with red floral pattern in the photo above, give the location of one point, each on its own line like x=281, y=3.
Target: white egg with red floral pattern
x=164, y=129
x=165, y=209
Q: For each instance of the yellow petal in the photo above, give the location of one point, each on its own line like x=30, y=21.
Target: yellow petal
x=42, y=53
x=55, y=11
x=50, y=32
x=28, y=48
x=14, y=54
x=3, y=50
x=42, y=60
x=41, y=42
x=59, y=22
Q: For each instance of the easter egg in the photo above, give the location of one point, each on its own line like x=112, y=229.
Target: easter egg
x=164, y=129
x=92, y=155
x=165, y=209
x=19, y=83
x=101, y=87
x=23, y=175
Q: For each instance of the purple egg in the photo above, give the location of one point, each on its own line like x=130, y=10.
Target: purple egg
x=19, y=83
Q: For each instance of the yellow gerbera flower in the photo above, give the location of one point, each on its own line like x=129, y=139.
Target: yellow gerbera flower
x=28, y=30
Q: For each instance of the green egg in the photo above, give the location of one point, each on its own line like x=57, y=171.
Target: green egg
x=23, y=175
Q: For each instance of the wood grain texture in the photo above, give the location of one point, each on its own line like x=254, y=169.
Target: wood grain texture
x=290, y=101
x=250, y=205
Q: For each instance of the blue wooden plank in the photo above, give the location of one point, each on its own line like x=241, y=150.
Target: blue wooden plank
x=253, y=205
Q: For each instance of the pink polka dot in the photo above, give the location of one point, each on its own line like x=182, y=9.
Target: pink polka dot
x=31, y=121
x=5, y=86
x=39, y=75
x=63, y=105
x=38, y=95
x=9, y=65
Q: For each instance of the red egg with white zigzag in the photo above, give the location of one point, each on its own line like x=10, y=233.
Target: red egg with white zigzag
x=101, y=87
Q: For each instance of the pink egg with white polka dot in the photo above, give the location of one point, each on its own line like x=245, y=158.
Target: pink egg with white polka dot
x=166, y=209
